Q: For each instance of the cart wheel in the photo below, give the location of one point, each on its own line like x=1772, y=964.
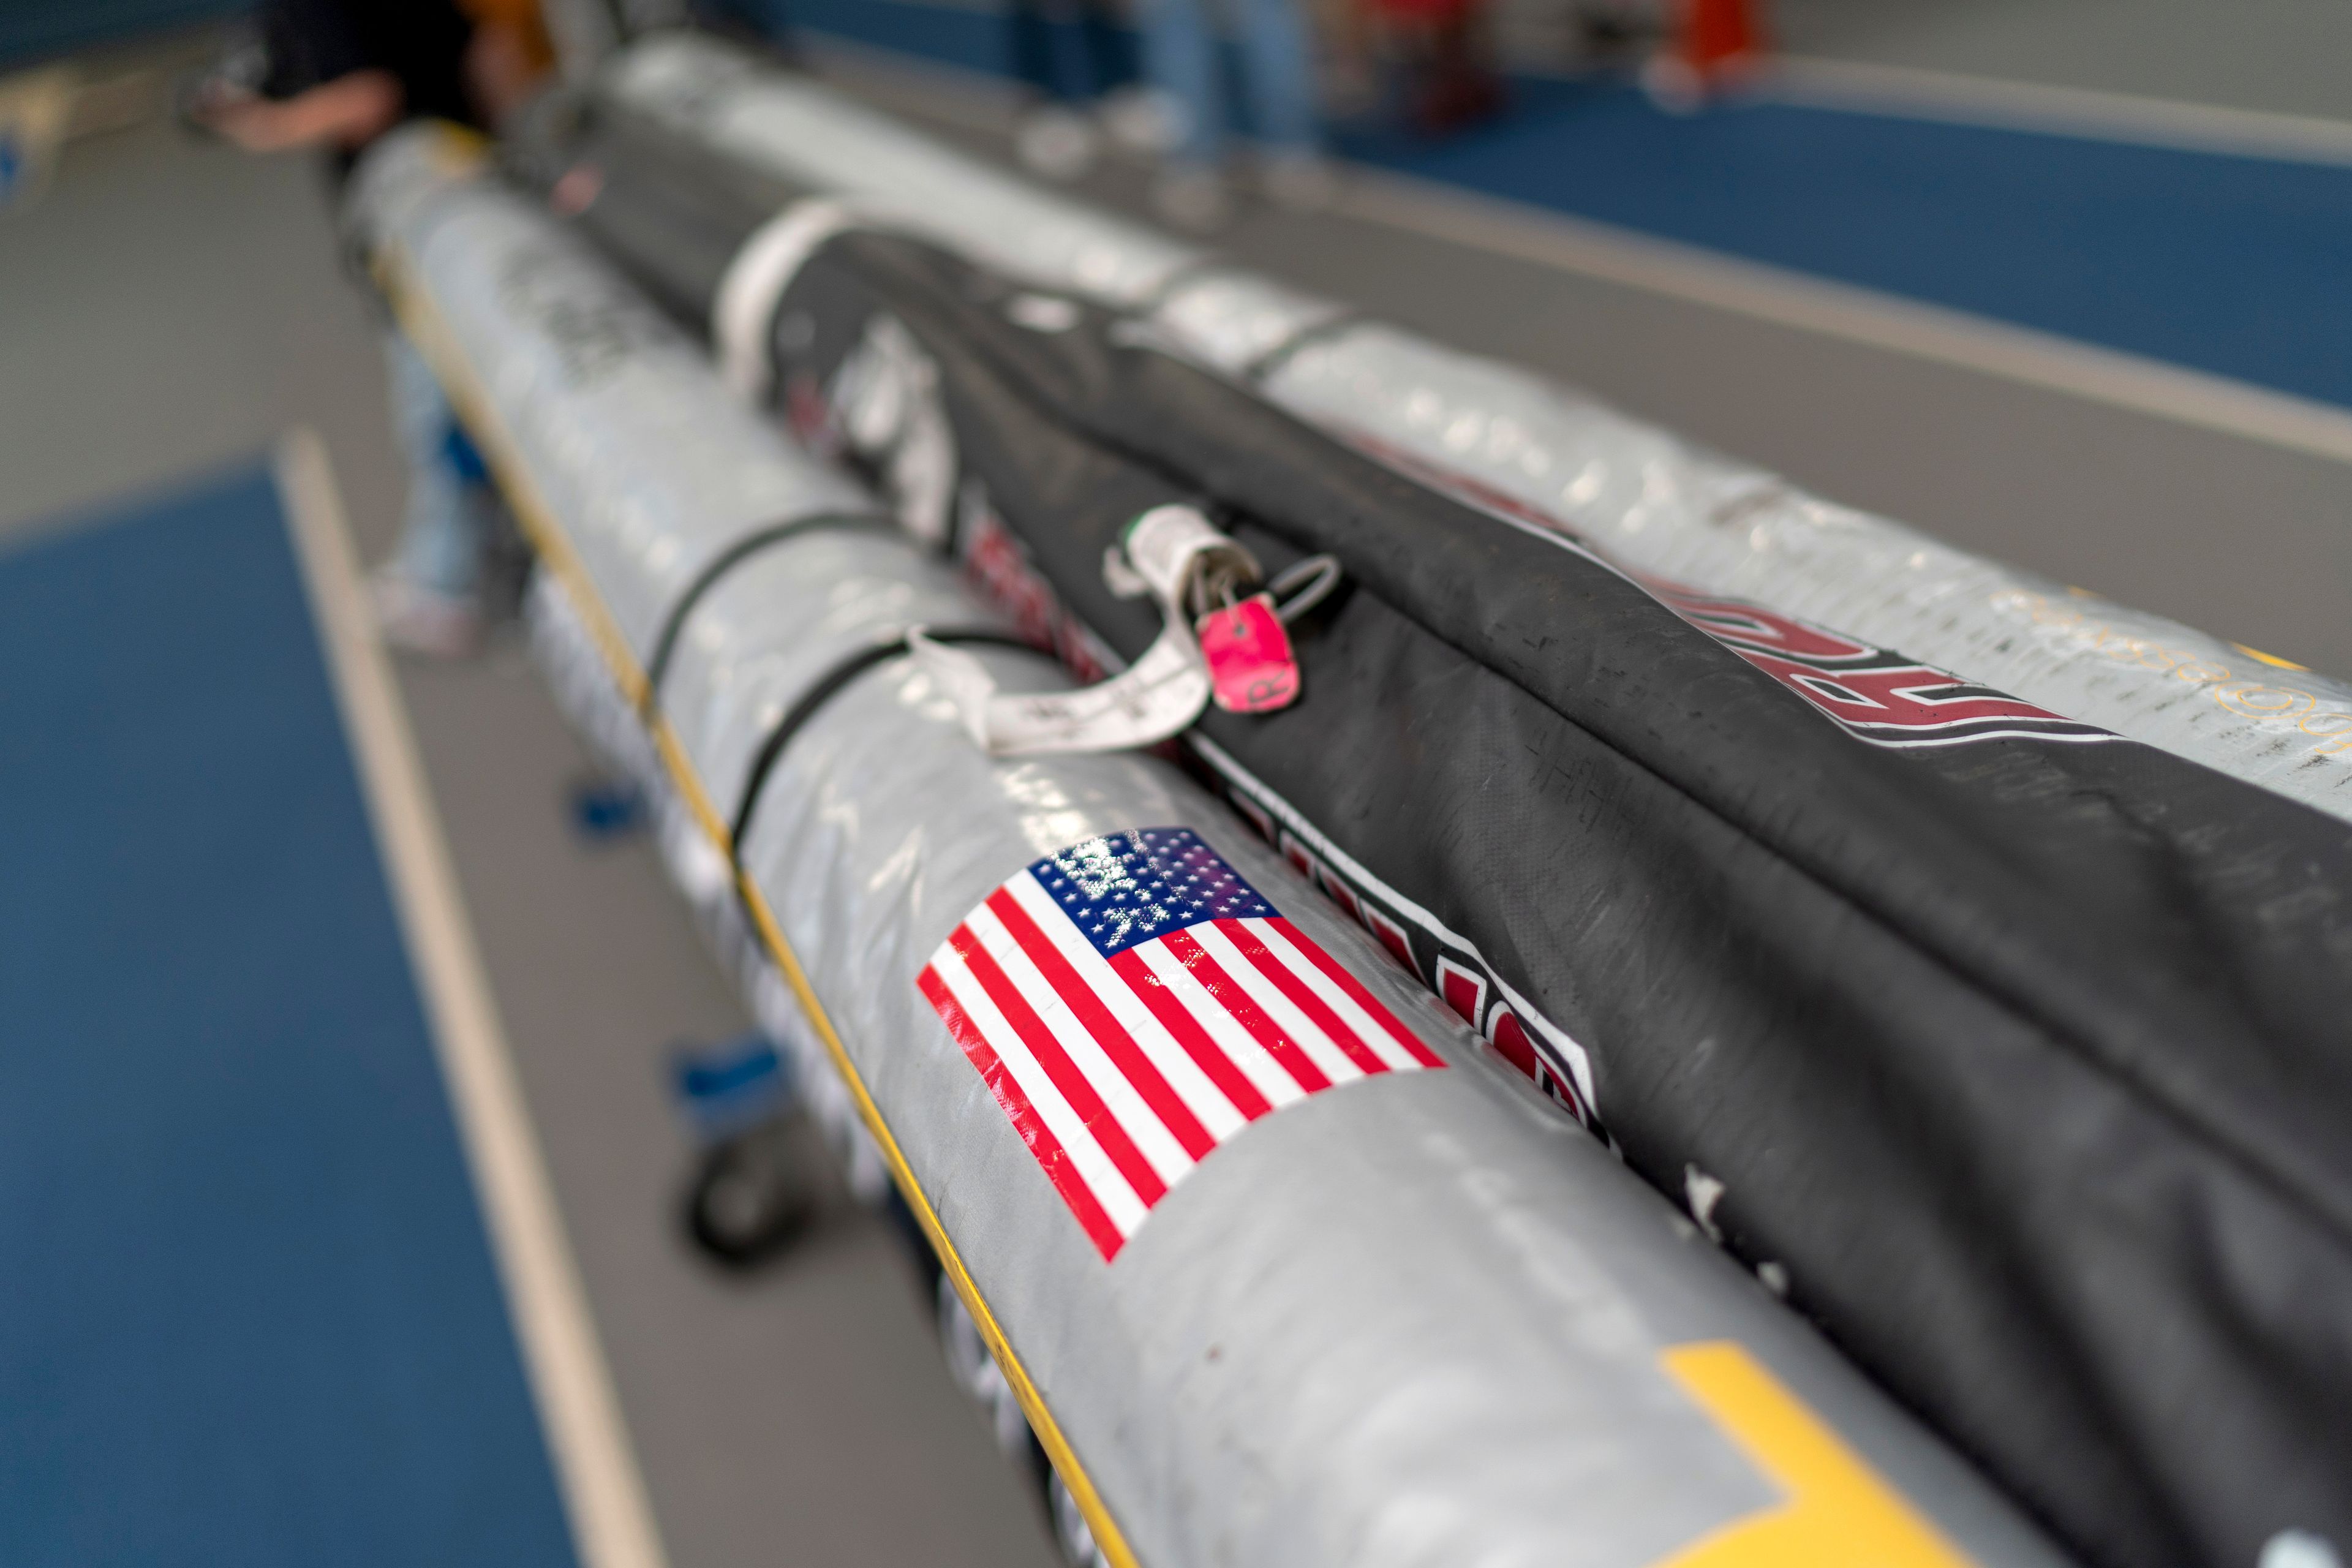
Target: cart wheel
x=755, y=1192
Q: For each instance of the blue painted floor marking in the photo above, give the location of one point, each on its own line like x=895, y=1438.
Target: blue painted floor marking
x=249, y=1312
x=2224, y=263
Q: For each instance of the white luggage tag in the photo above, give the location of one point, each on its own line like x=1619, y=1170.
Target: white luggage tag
x=1173, y=555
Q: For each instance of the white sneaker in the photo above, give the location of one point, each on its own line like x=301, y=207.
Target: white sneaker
x=1192, y=199
x=1301, y=181
x=1054, y=142
x=1144, y=121
x=418, y=619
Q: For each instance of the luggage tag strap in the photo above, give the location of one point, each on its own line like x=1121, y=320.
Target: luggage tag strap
x=1175, y=555
x=752, y=290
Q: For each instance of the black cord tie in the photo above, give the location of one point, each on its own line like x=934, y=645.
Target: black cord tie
x=726, y=561
x=847, y=669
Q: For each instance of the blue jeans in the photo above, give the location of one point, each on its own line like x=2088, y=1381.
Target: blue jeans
x=1061, y=68
x=444, y=527
x=1180, y=52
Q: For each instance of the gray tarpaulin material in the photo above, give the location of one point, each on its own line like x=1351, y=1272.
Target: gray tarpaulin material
x=1512, y=441
x=1415, y=1319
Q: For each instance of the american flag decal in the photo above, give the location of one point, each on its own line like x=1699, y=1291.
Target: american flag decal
x=1132, y=1004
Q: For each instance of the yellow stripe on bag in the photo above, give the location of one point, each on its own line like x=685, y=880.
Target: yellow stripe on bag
x=1838, y=1511
x=432, y=338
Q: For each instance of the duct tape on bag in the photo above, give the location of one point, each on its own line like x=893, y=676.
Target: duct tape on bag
x=601, y=346
x=1280, y=1266
x=1509, y=441
x=1544, y=453
x=703, y=88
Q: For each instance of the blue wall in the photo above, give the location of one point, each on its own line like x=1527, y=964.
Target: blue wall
x=31, y=30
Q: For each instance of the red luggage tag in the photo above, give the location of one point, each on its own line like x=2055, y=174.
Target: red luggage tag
x=1251, y=668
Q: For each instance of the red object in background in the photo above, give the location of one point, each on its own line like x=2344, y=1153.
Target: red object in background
x=1422, y=10
x=1716, y=33
x=1720, y=41
x=1449, y=81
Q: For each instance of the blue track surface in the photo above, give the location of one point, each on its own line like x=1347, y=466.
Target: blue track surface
x=248, y=1313
x=2234, y=266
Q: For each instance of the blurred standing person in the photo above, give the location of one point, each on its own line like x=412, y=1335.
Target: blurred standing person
x=338, y=74
x=509, y=58
x=1348, y=33
x=1451, y=83
x=1180, y=57
x=1056, y=135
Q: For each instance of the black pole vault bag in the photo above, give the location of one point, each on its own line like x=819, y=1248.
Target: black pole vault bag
x=2015, y=1054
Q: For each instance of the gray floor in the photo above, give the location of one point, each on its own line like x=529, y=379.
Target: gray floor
x=169, y=308
x=2277, y=56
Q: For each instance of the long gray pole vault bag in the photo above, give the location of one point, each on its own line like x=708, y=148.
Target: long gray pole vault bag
x=2017, y=1050
x=1548, y=453
x=1412, y=1319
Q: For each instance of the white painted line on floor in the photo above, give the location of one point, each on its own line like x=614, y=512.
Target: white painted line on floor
x=989, y=103
x=1841, y=310
x=1908, y=93
x=603, y=1492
